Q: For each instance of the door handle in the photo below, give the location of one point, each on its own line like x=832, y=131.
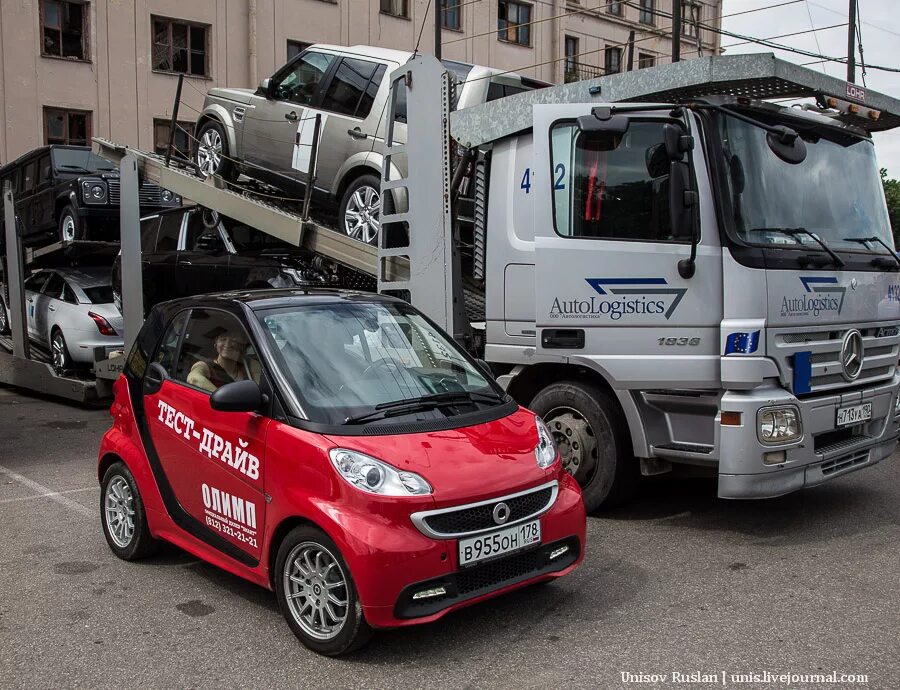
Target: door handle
x=51, y=308
x=186, y=263
x=562, y=339
x=357, y=133
x=292, y=116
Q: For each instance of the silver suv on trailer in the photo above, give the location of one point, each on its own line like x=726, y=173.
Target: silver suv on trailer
x=267, y=134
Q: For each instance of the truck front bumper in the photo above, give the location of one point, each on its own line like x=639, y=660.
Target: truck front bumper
x=823, y=452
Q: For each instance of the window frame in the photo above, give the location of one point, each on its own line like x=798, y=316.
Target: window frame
x=207, y=46
x=608, y=52
x=570, y=60
x=503, y=33
x=696, y=235
x=457, y=6
x=647, y=12
x=294, y=43
x=688, y=28
x=184, y=124
x=615, y=7
x=330, y=76
x=388, y=11
x=49, y=110
x=646, y=56
x=85, y=31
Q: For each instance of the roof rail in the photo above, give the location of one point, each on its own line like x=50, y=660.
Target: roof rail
x=759, y=76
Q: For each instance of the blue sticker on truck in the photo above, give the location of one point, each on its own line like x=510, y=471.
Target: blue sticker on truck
x=742, y=343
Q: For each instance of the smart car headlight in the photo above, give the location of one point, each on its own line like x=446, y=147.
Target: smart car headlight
x=778, y=425
x=545, y=450
x=376, y=477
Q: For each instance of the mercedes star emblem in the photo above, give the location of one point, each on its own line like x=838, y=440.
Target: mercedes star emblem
x=852, y=355
x=501, y=513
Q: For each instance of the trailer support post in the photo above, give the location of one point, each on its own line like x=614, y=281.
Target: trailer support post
x=14, y=276
x=130, y=231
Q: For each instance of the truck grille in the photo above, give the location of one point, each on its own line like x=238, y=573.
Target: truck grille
x=479, y=517
x=824, y=346
x=148, y=193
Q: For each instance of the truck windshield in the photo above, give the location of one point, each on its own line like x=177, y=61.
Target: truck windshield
x=354, y=362
x=834, y=193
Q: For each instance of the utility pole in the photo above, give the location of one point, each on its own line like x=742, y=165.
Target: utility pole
x=631, y=50
x=676, y=30
x=851, y=44
x=438, y=4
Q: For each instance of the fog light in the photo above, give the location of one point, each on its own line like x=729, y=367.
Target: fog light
x=778, y=425
x=556, y=553
x=428, y=593
x=730, y=419
x=774, y=457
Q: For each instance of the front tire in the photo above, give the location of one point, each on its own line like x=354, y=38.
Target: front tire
x=212, y=157
x=592, y=436
x=360, y=210
x=59, y=350
x=122, y=515
x=71, y=226
x=317, y=595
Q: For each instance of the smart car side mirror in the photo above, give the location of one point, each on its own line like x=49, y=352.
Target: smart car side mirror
x=153, y=378
x=238, y=396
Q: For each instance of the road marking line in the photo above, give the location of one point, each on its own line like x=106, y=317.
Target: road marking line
x=48, y=492
x=48, y=495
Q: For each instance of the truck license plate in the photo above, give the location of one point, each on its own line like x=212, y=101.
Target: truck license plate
x=475, y=549
x=854, y=415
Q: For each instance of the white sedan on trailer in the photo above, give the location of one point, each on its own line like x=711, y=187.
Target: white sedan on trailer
x=71, y=311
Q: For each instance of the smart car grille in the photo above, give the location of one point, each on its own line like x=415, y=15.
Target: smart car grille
x=481, y=517
x=493, y=574
x=148, y=194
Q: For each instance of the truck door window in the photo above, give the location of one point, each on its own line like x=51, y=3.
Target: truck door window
x=300, y=83
x=611, y=190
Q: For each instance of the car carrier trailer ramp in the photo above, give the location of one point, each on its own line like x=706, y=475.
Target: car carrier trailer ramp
x=267, y=217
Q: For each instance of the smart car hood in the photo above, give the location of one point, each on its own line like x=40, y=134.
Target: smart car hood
x=464, y=465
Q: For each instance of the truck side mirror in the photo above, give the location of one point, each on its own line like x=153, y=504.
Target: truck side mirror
x=682, y=212
x=606, y=129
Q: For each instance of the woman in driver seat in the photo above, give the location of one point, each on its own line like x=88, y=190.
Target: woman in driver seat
x=230, y=363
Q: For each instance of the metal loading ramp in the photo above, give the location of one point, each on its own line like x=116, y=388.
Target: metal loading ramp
x=262, y=215
x=758, y=77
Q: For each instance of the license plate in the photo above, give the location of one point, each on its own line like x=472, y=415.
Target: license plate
x=484, y=546
x=854, y=415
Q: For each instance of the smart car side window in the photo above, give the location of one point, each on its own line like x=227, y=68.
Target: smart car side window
x=168, y=347
x=216, y=350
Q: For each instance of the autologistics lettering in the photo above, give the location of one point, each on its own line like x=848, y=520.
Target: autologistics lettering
x=210, y=443
x=809, y=306
x=615, y=309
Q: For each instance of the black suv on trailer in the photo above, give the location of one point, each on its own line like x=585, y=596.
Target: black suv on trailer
x=69, y=193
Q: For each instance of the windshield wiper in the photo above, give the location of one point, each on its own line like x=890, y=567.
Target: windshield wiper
x=424, y=402
x=877, y=240
x=76, y=168
x=793, y=232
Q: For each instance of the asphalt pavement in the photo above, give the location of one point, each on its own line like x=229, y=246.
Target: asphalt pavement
x=676, y=582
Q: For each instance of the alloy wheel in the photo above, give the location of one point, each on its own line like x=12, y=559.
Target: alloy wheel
x=4, y=319
x=119, y=511
x=68, y=228
x=209, y=152
x=362, y=219
x=58, y=350
x=316, y=590
x=575, y=440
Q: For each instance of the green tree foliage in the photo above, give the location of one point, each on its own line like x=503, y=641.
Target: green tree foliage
x=892, y=195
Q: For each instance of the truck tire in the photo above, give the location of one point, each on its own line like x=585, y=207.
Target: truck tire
x=592, y=436
x=212, y=157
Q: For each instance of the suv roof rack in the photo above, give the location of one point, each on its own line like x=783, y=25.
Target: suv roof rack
x=760, y=76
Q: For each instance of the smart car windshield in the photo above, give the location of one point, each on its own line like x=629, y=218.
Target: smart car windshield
x=835, y=192
x=355, y=362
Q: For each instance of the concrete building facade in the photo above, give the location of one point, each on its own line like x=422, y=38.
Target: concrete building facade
x=72, y=69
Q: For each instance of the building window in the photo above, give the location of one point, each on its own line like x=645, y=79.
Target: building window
x=294, y=48
x=646, y=60
x=647, y=14
x=613, y=63
x=182, y=144
x=514, y=22
x=180, y=47
x=690, y=19
x=571, y=63
x=614, y=7
x=451, y=14
x=65, y=29
x=397, y=8
x=62, y=126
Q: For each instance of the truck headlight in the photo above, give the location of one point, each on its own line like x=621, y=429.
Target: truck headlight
x=777, y=425
x=376, y=477
x=545, y=451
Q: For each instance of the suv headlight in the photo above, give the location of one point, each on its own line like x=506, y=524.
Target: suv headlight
x=167, y=196
x=545, y=451
x=777, y=425
x=93, y=191
x=376, y=477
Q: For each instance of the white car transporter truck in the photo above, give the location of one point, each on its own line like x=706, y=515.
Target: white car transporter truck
x=675, y=273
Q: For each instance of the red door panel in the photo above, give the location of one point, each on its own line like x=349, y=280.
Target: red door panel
x=213, y=460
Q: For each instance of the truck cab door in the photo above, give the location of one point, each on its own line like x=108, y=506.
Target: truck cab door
x=608, y=290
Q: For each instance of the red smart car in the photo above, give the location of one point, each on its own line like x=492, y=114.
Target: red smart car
x=339, y=449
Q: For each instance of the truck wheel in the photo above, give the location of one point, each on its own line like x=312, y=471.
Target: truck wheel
x=360, y=214
x=317, y=595
x=212, y=152
x=122, y=515
x=592, y=437
x=71, y=227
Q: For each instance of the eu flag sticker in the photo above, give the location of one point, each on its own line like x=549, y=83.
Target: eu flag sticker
x=742, y=343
